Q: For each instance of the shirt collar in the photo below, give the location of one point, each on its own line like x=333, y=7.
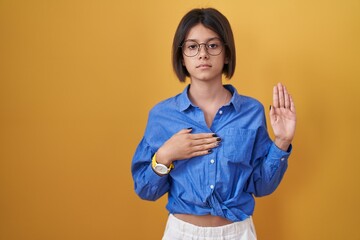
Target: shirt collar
x=184, y=102
x=236, y=97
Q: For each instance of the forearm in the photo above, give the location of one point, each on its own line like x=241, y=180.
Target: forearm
x=269, y=171
x=148, y=185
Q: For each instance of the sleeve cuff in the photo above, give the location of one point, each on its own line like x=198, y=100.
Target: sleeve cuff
x=155, y=180
x=277, y=153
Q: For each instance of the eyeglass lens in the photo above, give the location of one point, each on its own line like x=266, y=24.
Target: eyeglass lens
x=213, y=47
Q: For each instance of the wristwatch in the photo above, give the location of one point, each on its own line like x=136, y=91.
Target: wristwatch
x=159, y=168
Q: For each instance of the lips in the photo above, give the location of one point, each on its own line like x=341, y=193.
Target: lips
x=203, y=66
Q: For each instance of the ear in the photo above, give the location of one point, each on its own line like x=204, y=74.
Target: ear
x=226, y=60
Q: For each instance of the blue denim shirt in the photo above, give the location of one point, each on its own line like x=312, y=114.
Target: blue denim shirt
x=223, y=183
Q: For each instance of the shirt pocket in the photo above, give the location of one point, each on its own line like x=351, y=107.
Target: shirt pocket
x=238, y=144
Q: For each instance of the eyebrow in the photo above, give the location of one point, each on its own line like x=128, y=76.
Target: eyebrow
x=209, y=39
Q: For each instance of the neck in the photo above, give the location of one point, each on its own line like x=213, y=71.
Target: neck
x=202, y=94
x=209, y=98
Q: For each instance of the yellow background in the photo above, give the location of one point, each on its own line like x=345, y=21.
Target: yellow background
x=77, y=79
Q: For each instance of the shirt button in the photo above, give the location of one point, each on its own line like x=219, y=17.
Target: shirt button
x=212, y=161
x=220, y=112
x=282, y=159
x=212, y=186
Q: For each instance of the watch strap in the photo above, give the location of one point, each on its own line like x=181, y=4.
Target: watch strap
x=154, y=163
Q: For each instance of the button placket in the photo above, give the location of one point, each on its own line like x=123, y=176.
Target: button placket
x=212, y=171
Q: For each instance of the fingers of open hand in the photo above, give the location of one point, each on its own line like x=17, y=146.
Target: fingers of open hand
x=281, y=97
x=197, y=144
x=185, y=145
x=202, y=143
x=292, y=105
x=184, y=131
x=275, y=97
x=286, y=98
x=205, y=146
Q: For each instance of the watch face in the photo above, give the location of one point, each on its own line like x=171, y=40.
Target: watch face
x=160, y=168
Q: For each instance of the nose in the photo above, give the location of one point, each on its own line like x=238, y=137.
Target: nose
x=203, y=51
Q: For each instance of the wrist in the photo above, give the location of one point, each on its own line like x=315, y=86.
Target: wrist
x=162, y=158
x=282, y=144
x=159, y=168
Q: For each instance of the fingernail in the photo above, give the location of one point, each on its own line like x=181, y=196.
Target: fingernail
x=209, y=151
x=218, y=139
x=214, y=135
x=190, y=128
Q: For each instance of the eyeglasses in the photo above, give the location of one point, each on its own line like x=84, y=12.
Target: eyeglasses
x=213, y=47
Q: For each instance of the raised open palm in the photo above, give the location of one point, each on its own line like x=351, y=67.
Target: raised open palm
x=282, y=117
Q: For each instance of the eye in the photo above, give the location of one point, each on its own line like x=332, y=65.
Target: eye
x=192, y=46
x=213, y=45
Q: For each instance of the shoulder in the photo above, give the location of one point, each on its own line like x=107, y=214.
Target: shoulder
x=161, y=122
x=250, y=102
x=169, y=104
x=247, y=104
x=244, y=102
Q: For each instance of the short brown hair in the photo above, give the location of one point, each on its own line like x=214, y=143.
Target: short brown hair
x=214, y=20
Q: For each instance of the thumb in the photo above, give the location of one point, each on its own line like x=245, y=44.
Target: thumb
x=272, y=112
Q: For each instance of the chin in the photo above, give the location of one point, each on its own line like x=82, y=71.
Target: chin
x=208, y=78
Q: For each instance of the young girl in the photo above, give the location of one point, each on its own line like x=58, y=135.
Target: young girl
x=208, y=147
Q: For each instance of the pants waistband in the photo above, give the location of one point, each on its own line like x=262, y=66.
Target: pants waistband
x=233, y=229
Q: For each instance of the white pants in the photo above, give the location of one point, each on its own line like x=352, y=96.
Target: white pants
x=177, y=229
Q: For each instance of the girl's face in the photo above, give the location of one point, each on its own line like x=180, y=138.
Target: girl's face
x=203, y=66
